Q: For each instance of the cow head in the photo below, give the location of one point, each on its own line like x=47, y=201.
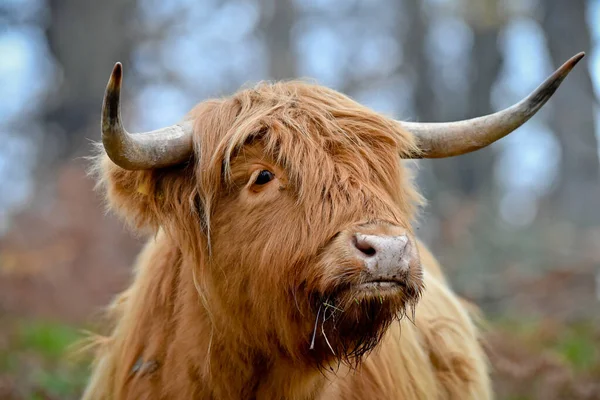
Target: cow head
x=291, y=203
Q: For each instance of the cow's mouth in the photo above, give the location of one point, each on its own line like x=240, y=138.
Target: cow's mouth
x=382, y=284
x=396, y=289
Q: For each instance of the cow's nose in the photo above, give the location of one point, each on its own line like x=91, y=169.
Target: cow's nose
x=384, y=254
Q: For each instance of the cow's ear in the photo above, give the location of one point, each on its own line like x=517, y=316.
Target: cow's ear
x=144, y=199
x=129, y=194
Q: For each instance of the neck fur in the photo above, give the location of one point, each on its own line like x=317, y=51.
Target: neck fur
x=168, y=341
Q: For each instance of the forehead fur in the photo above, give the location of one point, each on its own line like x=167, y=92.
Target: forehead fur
x=302, y=127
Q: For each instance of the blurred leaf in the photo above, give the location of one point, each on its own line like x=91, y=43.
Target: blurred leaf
x=49, y=339
x=578, y=347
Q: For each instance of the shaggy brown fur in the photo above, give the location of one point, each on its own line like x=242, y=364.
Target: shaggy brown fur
x=249, y=291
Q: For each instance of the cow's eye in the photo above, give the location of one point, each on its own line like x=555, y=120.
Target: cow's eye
x=264, y=177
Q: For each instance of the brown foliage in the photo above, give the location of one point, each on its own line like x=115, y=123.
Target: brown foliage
x=64, y=258
x=521, y=369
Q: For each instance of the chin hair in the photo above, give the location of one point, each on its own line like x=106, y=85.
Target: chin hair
x=350, y=324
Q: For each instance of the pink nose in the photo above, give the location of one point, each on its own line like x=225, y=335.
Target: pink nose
x=383, y=254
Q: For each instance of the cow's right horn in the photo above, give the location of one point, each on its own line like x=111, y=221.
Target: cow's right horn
x=448, y=139
x=139, y=151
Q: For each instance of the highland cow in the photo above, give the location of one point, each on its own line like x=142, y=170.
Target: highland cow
x=283, y=262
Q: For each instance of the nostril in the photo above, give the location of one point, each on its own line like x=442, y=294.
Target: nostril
x=364, y=246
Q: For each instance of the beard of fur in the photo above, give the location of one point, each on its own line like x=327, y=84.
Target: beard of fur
x=350, y=323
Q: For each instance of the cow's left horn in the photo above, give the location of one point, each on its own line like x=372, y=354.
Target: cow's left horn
x=447, y=139
x=150, y=150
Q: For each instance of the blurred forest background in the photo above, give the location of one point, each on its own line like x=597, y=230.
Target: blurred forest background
x=516, y=225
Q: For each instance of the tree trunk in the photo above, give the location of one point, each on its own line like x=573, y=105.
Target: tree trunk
x=413, y=38
x=86, y=38
x=577, y=192
x=455, y=184
x=278, y=19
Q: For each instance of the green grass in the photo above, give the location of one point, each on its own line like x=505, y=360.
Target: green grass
x=579, y=348
x=50, y=340
x=37, y=359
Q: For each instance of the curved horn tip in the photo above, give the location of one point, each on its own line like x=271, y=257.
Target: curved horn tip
x=571, y=62
x=117, y=74
x=578, y=56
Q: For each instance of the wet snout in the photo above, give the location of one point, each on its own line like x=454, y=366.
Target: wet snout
x=387, y=256
x=383, y=255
